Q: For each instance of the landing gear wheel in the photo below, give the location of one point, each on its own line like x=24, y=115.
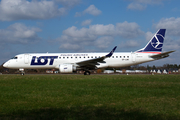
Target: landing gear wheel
x=87, y=73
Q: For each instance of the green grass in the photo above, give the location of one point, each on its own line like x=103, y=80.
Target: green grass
x=90, y=97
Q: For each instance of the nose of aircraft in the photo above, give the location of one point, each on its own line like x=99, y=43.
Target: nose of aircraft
x=5, y=64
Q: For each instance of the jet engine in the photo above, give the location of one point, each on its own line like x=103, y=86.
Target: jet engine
x=67, y=68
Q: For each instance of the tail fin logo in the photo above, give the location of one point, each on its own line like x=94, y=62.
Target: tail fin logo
x=157, y=41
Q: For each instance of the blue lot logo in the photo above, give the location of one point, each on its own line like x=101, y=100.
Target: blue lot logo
x=43, y=60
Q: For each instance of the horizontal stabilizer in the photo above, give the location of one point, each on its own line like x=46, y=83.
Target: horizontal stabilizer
x=161, y=55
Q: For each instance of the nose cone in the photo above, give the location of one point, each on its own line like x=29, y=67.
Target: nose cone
x=5, y=64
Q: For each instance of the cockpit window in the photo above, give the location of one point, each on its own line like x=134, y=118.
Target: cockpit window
x=14, y=57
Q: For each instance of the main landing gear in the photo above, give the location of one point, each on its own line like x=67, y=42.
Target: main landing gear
x=87, y=72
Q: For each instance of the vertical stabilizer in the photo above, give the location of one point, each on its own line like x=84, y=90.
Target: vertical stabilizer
x=156, y=42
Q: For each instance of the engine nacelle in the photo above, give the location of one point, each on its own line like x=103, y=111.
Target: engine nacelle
x=67, y=68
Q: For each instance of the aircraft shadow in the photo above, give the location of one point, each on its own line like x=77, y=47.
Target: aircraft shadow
x=81, y=113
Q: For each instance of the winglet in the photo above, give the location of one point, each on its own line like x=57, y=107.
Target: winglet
x=111, y=53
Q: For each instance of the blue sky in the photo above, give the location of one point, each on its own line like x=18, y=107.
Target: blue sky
x=55, y=26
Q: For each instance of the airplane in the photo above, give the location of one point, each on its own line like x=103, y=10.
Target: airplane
x=72, y=62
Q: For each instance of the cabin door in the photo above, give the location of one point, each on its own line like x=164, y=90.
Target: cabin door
x=26, y=58
x=133, y=57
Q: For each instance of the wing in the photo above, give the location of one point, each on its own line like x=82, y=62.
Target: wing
x=93, y=62
x=162, y=55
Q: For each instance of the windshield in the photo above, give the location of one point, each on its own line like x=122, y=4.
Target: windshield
x=14, y=57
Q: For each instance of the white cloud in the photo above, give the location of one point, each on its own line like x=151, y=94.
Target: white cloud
x=132, y=43
x=68, y=3
x=90, y=10
x=142, y=4
x=78, y=14
x=172, y=44
x=136, y=6
x=171, y=24
x=86, y=22
x=101, y=30
x=129, y=43
x=104, y=42
x=70, y=46
x=128, y=30
x=78, y=35
x=149, y=35
x=99, y=35
x=19, y=33
x=36, y=9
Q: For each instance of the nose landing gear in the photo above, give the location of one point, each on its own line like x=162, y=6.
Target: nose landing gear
x=22, y=71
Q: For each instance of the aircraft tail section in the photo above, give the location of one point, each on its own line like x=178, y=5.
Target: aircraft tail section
x=155, y=44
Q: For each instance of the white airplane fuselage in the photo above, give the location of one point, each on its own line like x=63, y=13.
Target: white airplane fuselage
x=53, y=60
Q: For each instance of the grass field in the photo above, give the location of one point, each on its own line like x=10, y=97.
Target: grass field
x=132, y=97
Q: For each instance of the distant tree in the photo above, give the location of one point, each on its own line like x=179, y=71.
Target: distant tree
x=168, y=66
x=142, y=68
x=165, y=66
x=175, y=66
x=135, y=67
x=1, y=68
x=148, y=67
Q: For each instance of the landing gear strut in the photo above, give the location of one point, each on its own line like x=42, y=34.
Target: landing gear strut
x=87, y=73
x=22, y=71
